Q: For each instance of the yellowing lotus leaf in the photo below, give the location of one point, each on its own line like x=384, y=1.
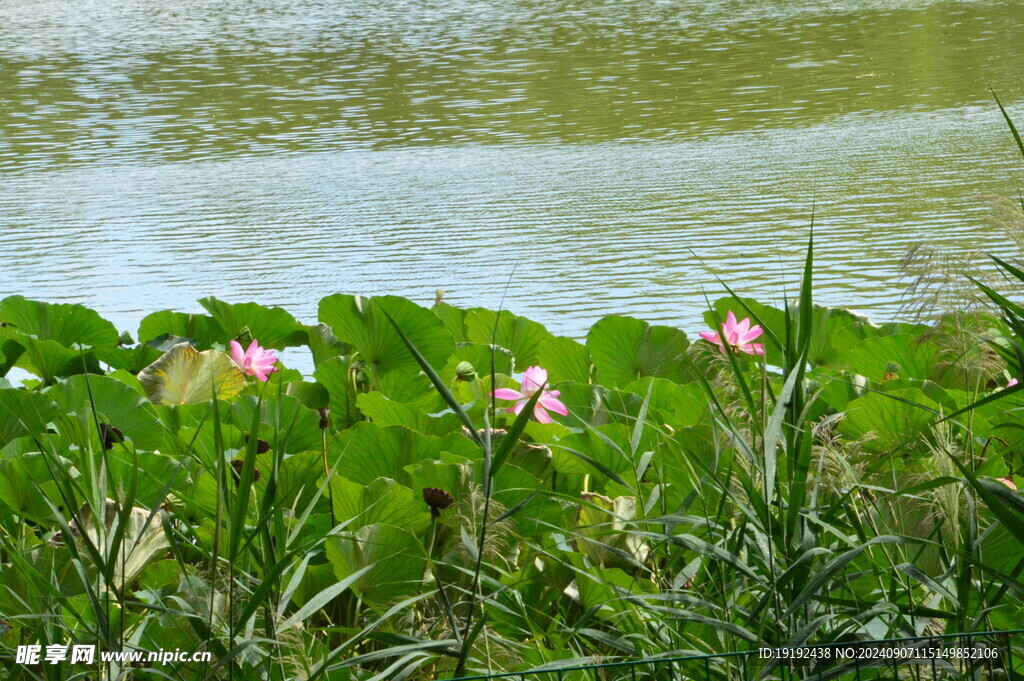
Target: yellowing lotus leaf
x=185, y=376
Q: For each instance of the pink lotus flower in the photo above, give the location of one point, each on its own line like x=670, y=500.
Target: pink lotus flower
x=1013, y=381
x=534, y=379
x=255, y=361
x=737, y=335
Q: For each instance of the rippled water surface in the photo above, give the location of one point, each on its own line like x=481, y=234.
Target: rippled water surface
x=281, y=150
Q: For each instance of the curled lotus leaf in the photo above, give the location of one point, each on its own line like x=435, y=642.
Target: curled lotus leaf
x=185, y=376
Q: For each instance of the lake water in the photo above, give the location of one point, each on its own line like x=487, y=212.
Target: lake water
x=576, y=158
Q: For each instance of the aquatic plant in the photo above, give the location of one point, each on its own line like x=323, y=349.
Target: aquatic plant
x=534, y=380
x=255, y=360
x=738, y=335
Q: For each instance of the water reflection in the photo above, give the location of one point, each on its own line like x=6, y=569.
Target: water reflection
x=282, y=150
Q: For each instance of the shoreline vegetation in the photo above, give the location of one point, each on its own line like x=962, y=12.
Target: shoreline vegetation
x=459, y=491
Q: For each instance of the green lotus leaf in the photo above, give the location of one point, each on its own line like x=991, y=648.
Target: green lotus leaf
x=311, y=394
x=368, y=451
x=595, y=405
x=155, y=471
x=680, y=405
x=200, y=328
x=185, y=376
x=132, y=360
x=115, y=404
x=333, y=375
x=324, y=345
x=27, y=484
x=871, y=356
x=889, y=422
x=363, y=323
x=49, y=360
x=454, y=319
x=63, y=323
x=10, y=351
x=397, y=556
x=625, y=349
x=519, y=335
x=293, y=427
x=298, y=479
x=407, y=386
x=381, y=501
x=272, y=327
x=565, y=360
x=385, y=412
x=598, y=449
x=603, y=597
x=837, y=388
x=24, y=414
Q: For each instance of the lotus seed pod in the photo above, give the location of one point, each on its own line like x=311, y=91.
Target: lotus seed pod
x=437, y=500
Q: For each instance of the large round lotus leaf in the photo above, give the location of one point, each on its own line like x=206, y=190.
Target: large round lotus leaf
x=324, y=345
x=311, y=394
x=416, y=415
x=24, y=414
x=397, y=556
x=115, y=404
x=272, y=327
x=156, y=472
x=889, y=422
x=367, y=451
x=363, y=323
x=293, y=427
x=132, y=360
x=381, y=501
x=454, y=319
x=871, y=356
x=298, y=482
x=625, y=349
x=681, y=405
x=837, y=388
x=520, y=335
x=185, y=376
x=200, y=328
x=10, y=351
x=589, y=453
x=50, y=360
x=595, y=405
x=28, y=488
x=333, y=375
x=65, y=324
x=565, y=360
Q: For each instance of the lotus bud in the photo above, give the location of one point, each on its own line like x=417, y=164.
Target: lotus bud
x=465, y=371
x=439, y=296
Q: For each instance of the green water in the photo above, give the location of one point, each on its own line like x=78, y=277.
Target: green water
x=574, y=158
